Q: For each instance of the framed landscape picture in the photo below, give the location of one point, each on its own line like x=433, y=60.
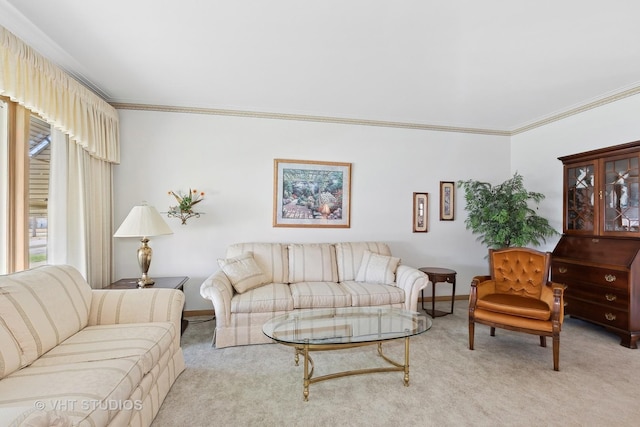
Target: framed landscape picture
x=311, y=194
x=447, y=200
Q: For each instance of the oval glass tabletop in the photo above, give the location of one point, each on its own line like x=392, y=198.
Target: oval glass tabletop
x=345, y=325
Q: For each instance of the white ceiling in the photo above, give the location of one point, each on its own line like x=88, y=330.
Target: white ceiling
x=492, y=64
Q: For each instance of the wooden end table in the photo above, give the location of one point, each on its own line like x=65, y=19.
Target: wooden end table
x=161, y=282
x=439, y=275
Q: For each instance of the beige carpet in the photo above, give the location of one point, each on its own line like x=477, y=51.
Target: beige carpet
x=507, y=380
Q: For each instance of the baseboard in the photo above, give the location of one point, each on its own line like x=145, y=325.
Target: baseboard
x=444, y=298
x=196, y=313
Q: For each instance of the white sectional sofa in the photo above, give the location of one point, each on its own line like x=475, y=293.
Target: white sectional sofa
x=73, y=356
x=257, y=281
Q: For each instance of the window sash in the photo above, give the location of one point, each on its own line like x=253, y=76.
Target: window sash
x=16, y=191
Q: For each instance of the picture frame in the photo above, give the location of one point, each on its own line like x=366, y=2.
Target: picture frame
x=420, y=212
x=447, y=200
x=311, y=194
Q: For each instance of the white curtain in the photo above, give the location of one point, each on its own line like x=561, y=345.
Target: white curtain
x=80, y=220
x=85, y=146
x=57, y=215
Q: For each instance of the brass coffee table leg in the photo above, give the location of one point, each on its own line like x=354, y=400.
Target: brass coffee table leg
x=405, y=367
x=305, y=393
x=406, y=362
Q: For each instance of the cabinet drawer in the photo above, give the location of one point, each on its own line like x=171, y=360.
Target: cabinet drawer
x=596, y=313
x=609, y=297
x=566, y=273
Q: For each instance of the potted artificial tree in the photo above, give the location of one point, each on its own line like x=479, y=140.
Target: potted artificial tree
x=502, y=214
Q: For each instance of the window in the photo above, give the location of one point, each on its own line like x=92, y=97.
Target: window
x=39, y=161
x=25, y=152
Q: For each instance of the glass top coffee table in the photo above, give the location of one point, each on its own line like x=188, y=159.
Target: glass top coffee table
x=341, y=328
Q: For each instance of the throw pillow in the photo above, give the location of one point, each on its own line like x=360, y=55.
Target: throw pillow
x=375, y=268
x=243, y=272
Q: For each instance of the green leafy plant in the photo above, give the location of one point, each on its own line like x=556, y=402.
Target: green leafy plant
x=502, y=214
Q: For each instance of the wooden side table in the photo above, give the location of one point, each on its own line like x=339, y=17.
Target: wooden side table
x=439, y=275
x=161, y=282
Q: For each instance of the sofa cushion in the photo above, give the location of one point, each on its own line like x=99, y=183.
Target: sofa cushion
x=243, y=272
x=10, y=353
x=80, y=392
x=44, y=306
x=265, y=299
x=515, y=305
x=319, y=295
x=380, y=269
x=145, y=341
x=371, y=294
x=271, y=257
x=349, y=255
x=311, y=262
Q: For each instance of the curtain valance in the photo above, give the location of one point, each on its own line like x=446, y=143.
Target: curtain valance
x=31, y=80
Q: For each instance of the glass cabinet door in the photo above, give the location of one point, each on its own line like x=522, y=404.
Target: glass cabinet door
x=580, y=210
x=621, y=190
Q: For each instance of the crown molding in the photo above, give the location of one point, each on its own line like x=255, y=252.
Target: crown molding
x=634, y=90
x=307, y=118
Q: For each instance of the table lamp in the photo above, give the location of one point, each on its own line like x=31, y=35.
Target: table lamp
x=143, y=221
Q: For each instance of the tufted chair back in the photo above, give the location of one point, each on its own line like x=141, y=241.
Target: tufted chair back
x=519, y=271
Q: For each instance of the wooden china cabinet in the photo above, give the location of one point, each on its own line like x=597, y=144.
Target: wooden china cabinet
x=598, y=256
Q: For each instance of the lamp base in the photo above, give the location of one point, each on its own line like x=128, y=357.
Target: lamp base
x=144, y=260
x=145, y=281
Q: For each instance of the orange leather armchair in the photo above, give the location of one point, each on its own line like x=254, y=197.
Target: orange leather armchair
x=518, y=296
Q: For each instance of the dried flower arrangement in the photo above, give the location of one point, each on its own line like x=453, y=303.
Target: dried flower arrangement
x=184, y=209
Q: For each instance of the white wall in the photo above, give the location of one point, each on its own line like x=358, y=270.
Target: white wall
x=535, y=153
x=231, y=160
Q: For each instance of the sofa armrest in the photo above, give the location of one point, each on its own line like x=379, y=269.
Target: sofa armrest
x=115, y=306
x=412, y=281
x=218, y=289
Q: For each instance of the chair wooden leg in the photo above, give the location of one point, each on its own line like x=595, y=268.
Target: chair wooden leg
x=543, y=341
x=471, y=334
x=556, y=353
x=493, y=331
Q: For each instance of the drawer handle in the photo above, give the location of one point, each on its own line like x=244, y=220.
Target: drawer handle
x=610, y=297
x=610, y=278
x=610, y=316
x=562, y=270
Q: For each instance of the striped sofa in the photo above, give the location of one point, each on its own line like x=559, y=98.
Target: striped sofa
x=70, y=355
x=257, y=281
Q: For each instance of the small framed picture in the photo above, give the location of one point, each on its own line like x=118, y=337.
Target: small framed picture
x=447, y=200
x=420, y=212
